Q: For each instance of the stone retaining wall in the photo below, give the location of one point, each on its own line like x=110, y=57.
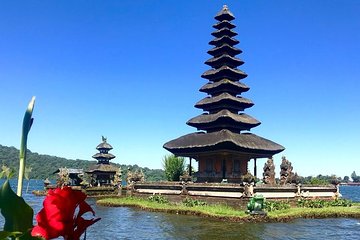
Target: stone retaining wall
x=234, y=191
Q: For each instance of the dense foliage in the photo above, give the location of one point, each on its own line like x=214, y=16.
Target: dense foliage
x=174, y=167
x=320, y=203
x=189, y=202
x=43, y=166
x=322, y=179
x=355, y=177
x=276, y=205
x=158, y=198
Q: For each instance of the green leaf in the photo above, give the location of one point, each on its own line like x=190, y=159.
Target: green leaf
x=27, y=123
x=17, y=213
x=6, y=172
x=17, y=235
x=6, y=235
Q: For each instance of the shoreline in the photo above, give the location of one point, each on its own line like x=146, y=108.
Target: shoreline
x=350, y=184
x=233, y=215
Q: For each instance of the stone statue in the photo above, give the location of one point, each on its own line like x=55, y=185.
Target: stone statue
x=136, y=176
x=63, y=177
x=286, y=171
x=185, y=177
x=46, y=183
x=85, y=179
x=269, y=172
x=295, y=178
x=118, y=178
x=248, y=189
x=247, y=178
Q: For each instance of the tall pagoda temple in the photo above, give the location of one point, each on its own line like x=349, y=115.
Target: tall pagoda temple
x=103, y=172
x=222, y=146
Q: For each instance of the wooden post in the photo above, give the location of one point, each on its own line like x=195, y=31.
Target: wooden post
x=255, y=170
x=190, y=167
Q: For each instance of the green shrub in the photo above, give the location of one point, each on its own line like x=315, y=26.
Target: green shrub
x=318, y=181
x=310, y=203
x=174, y=167
x=340, y=203
x=319, y=203
x=276, y=205
x=189, y=202
x=158, y=199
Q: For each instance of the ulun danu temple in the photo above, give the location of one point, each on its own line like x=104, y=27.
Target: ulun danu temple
x=223, y=146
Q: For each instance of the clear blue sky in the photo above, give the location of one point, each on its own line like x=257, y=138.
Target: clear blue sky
x=130, y=70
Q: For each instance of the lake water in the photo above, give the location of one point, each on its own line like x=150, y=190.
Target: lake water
x=131, y=223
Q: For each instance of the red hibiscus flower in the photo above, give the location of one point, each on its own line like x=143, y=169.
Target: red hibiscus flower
x=62, y=215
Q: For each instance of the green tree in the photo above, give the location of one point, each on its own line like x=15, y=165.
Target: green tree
x=355, y=177
x=346, y=179
x=174, y=167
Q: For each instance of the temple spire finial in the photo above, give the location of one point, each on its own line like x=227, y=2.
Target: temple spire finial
x=225, y=14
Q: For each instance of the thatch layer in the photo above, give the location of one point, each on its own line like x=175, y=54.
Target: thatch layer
x=223, y=140
x=224, y=24
x=102, y=168
x=224, y=85
x=224, y=119
x=224, y=99
x=104, y=145
x=103, y=155
x=224, y=59
x=224, y=49
x=224, y=31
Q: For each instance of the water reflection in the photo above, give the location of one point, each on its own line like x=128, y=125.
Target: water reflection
x=130, y=223
x=190, y=227
x=339, y=228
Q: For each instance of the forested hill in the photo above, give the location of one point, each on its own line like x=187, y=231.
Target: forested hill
x=43, y=165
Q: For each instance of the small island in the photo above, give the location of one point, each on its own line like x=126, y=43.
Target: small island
x=277, y=211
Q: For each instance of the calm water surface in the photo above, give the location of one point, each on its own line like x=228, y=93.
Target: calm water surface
x=130, y=223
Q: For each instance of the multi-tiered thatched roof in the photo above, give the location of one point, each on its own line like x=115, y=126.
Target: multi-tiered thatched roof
x=222, y=125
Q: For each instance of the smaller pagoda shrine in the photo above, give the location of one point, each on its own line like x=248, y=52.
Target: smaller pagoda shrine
x=103, y=173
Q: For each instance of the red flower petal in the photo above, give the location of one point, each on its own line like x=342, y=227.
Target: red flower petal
x=84, y=207
x=81, y=225
x=39, y=232
x=57, y=216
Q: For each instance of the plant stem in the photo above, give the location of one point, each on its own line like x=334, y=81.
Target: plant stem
x=27, y=122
